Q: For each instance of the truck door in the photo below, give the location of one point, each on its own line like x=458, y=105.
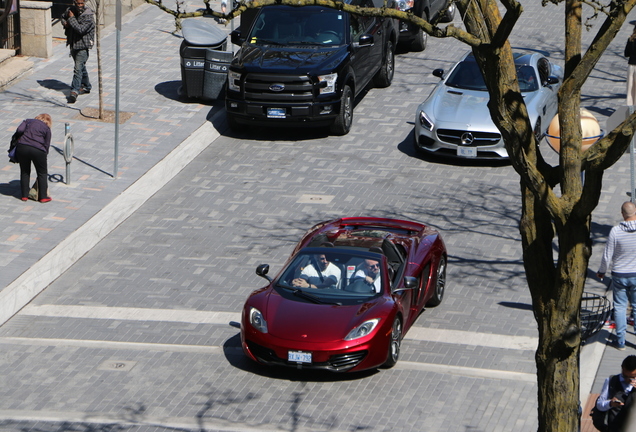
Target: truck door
x=365, y=57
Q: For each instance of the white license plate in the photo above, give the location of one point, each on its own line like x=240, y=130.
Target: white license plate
x=276, y=112
x=467, y=151
x=299, y=357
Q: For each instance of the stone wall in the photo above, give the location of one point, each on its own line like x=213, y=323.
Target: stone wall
x=36, y=30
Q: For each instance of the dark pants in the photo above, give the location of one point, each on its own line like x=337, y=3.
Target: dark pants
x=80, y=74
x=27, y=154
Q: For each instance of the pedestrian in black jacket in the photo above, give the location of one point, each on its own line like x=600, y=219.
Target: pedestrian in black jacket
x=630, y=53
x=79, y=27
x=33, y=146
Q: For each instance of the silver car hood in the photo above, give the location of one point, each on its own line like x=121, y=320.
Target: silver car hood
x=464, y=109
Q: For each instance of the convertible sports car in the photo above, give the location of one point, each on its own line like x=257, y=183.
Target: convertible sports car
x=455, y=121
x=345, y=298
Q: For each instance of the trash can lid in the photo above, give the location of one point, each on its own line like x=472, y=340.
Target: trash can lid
x=198, y=32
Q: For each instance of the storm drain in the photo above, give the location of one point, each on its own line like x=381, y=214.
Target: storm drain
x=315, y=199
x=117, y=365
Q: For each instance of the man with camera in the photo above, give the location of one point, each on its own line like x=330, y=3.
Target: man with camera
x=79, y=27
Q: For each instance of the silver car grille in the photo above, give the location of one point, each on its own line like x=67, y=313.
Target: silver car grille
x=468, y=138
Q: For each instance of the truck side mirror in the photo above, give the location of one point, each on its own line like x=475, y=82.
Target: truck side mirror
x=236, y=37
x=366, y=39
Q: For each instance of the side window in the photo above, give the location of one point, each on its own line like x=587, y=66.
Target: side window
x=544, y=70
x=359, y=26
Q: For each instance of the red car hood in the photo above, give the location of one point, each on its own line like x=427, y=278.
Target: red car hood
x=308, y=322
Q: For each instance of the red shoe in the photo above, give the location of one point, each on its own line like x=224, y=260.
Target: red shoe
x=25, y=198
x=43, y=200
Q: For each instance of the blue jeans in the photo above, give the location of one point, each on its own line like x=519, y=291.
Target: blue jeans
x=624, y=291
x=80, y=74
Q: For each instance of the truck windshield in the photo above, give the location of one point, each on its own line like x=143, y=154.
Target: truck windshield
x=282, y=25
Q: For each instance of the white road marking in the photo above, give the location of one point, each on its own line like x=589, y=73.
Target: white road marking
x=455, y=337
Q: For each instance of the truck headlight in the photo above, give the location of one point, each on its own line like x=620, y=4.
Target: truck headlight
x=234, y=81
x=327, y=83
x=405, y=5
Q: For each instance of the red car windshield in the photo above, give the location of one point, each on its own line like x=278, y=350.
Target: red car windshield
x=335, y=274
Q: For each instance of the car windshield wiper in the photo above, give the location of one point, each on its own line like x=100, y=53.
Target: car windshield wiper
x=300, y=293
x=267, y=41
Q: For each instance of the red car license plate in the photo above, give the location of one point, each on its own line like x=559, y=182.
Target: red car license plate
x=299, y=357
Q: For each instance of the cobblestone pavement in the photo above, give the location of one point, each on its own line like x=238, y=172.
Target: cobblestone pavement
x=140, y=334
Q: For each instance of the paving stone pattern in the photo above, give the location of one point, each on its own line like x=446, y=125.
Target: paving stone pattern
x=242, y=202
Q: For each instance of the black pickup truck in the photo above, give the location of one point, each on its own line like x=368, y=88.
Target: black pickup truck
x=306, y=65
x=433, y=11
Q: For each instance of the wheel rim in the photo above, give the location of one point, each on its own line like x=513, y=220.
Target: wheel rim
x=441, y=279
x=390, y=63
x=396, y=339
x=348, y=109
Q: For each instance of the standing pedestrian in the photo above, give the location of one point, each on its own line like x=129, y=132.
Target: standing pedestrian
x=620, y=252
x=615, y=399
x=79, y=27
x=630, y=53
x=33, y=146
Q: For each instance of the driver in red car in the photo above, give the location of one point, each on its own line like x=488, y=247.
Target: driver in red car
x=370, y=271
x=319, y=274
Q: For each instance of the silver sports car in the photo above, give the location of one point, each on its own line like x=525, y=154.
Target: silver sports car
x=454, y=120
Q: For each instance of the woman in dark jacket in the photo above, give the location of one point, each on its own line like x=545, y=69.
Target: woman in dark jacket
x=33, y=146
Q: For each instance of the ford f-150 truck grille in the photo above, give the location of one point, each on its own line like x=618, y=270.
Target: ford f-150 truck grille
x=281, y=88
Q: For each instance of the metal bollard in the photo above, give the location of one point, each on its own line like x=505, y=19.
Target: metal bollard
x=69, y=147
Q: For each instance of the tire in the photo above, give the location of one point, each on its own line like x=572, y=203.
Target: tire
x=342, y=124
x=394, y=344
x=538, y=133
x=440, y=284
x=449, y=14
x=384, y=77
x=421, y=38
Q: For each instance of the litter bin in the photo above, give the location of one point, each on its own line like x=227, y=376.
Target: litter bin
x=217, y=64
x=199, y=37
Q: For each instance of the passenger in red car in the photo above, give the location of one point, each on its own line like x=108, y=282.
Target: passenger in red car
x=370, y=271
x=319, y=274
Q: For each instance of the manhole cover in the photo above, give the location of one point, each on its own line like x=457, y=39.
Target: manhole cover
x=117, y=365
x=315, y=199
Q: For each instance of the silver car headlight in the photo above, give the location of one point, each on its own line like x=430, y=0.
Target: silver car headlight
x=363, y=329
x=257, y=320
x=330, y=83
x=234, y=81
x=425, y=122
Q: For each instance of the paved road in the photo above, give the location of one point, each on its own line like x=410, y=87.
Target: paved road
x=141, y=333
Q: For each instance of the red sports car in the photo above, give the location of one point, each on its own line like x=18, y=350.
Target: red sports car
x=345, y=298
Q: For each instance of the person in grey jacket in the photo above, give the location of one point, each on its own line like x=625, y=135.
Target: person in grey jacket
x=79, y=27
x=620, y=252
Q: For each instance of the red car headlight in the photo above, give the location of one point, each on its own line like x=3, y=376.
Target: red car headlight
x=257, y=320
x=363, y=329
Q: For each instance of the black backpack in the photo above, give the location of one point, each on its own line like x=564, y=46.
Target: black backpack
x=602, y=419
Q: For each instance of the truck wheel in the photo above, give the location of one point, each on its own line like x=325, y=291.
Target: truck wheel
x=419, y=43
x=449, y=14
x=342, y=124
x=384, y=76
